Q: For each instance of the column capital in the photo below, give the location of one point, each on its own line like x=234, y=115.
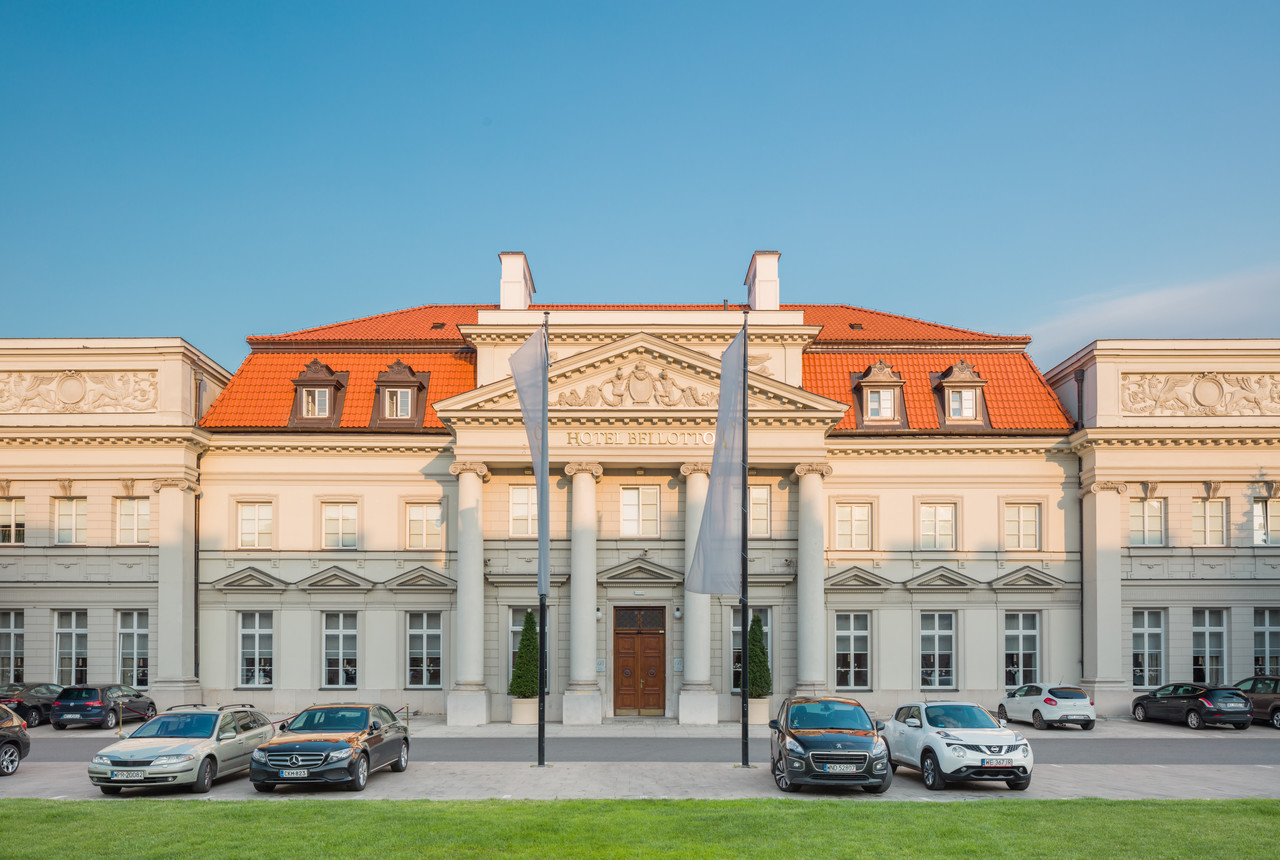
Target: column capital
x=688, y=469
x=1120, y=487
x=479, y=469
x=822, y=470
x=4, y=486
x=175, y=484
x=595, y=469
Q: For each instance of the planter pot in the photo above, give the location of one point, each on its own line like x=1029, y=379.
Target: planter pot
x=524, y=712
x=757, y=712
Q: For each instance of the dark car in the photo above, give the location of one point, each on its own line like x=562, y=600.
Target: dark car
x=332, y=745
x=1194, y=704
x=828, y=741
x=15, y=743
x=103, y=704
x=1263, y=693
x=32, y=702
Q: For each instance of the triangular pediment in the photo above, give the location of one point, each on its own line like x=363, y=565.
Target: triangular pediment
x=335, y=579
x=639, y=571
x=1027, y=578
x=857, y=579
x=942, y=578
x=250, y=579
x=422, y=579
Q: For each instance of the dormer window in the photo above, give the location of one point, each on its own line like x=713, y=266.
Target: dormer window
x=315, y=403
x=320, y=393
x=399, y=403
x=880, y=403
x=962, y=403
x=879, y=397
x=961, y=391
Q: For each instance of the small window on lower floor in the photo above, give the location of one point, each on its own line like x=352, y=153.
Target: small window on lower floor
x=937, y=650
x=1148, y=647
x=424, y=650
x=257, y=649
x=341, y=650
x=853, y=650
x=1021, y=648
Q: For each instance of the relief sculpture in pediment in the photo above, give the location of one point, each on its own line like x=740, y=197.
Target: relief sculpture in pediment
x=1200, y=394
x=74, y=391
x=639, y=386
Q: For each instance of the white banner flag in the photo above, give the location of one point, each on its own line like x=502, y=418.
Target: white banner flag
x=529, y=366
x=717, y=558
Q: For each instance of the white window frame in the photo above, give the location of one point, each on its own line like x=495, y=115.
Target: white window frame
x=397, y=403
x=257, y=649
x=853, y=640
x=424, y=525
x=761, y=525
x=133, y=521
x=1209, y=522
x=1266, y=522
x=341, y=524
x=72, y=524
x=516, y=620
x=737, y=640
x=880, y=404
x=962, y=404
x=931, y=535
x=13, y=521
x=12, y=646
x=259, y=537
x=1022, y=635
x=315, y=402
x=1266, y=640
x=1020, y=531
x=934, y=634
x=133, y=639
x=424, y=650
x=1148, y=642
x=523, y=511
x=853, y=526
x=1209, y=646
x=1146, y=522
x=341, y=652
x=636, y=502
x=71, y=646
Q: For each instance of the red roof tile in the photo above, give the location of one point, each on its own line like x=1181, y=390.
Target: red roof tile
x=428, y=323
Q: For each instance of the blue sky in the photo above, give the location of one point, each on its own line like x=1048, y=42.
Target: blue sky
x=217, y=169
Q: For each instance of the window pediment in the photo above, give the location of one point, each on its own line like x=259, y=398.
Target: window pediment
x=250, y=579
x=335, y=579
x=942, y=579
x=1027, y=579
x=422, y=579
x=857, y=579
x=639, y=571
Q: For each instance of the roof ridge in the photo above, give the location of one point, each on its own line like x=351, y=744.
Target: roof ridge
x=909, y=319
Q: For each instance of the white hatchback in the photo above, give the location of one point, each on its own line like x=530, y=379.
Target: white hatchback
x=957, y=741
x=1045, y=706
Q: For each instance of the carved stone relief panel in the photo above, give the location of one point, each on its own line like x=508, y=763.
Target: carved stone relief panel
x=640, y=384
x=1200, y=393
x=78, y=391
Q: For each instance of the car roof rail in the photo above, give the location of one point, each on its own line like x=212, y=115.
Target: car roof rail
x=187, y=705
x=234, y=705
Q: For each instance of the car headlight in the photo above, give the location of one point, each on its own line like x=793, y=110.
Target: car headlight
x=879, y=748
x=1018, y=738
x=1026, y=750
x=167, y=760
x=339, y=755
x=793, y=747
x=101, y=759
x=956, y=750
x=259, y=755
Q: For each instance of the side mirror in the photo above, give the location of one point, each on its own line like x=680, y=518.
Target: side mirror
x=773, y=724
x=913, y=723
x=227, y=736
x=284, y=727
x=879, y=725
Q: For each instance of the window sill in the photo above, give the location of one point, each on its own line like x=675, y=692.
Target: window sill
x=422, y=689
x=338, y=688
x=250, y=689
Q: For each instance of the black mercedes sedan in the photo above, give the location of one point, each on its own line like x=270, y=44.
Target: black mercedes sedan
x=1194, y=704
x=828, y=741
x=332, y=745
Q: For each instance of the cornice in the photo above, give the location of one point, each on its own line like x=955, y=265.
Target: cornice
x=44, y=438
x=1146, y=437
x=935, y=447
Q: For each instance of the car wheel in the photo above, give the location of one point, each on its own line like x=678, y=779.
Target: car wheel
x=57, y=727
x=109, y=721
x=1194, y=721
x=1140, y=713
x=1002, y=713
x=204, y=778
x=361, y=777
x=151, y=712
x=401, y=764
x=1019, y=784
x=9, y=759
x=1275, y=719
x=882, y=787
x=1038, y=721
x=32, y=716
x=780, y=777
x=264, y=786
x=931, y=772
x=1240, y=726
x=109, y=789
x=1087, y=725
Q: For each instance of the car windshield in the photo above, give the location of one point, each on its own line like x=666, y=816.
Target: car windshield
x=178, y=726
x=959, y=717
x=330, y=720
x=828, y=715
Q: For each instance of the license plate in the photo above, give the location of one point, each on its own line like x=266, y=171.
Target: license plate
x=842, y=768
x=1235, y=704
x=69, y=717
x=127, y=774
x=287, y=774
x=997, y=762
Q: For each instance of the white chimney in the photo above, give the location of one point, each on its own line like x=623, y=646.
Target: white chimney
x=762, y=281
x=517, y=289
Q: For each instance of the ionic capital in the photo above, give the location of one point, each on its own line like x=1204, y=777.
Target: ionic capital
x=479, y=469
x=595, y=469
x=822, y=470
x=1096, y=487
x=688, y=469
x=175, y=484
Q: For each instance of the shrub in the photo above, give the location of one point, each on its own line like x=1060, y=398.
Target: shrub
x=759, y=679
x=524, y=675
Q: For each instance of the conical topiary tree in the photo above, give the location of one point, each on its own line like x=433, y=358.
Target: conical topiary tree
x=760, y=679
x=524, y=674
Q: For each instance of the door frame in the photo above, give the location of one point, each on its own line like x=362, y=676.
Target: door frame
x=664, y=632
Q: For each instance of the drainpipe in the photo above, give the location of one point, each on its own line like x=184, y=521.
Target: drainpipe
x=196, y=567
x=1079, y=377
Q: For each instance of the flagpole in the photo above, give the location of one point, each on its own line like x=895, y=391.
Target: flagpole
x=746, y=510
x=544, y=549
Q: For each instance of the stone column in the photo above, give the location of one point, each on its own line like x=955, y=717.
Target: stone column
x=174, y=680
x=698, y=700
x=811, y=614
x=468, y=702
x=1104, y=507
x=582, y=701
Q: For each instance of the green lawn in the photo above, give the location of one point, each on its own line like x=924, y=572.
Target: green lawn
x=314, y=829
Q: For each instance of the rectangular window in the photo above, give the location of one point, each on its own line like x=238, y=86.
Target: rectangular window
x=73, y=521
x=937, y=526
x=71, y=646
x=963, y=403
x=341, y=642
x=422, y=529
x=255, y=525
x=134, y=647
x=1021, y=648
x=133, y=521
x=1209, y=646
x=937, y=650
x=315, y=403
x=639, y=512
x=399, y=403
x=1266, y=522
x=524, y=511
x=515, y=631
x=763, y=614
x=759, y=512
x=853, y=650
x=1021, y=526
x=880, y=403
x=1209, y=522
x=257, y=649
x=424, y=650
x=339, y=525
x=1148, y=647
x=1146, y=522
x=853, y=526
x=1266, y=641
x=13, y=521
x=12, y=646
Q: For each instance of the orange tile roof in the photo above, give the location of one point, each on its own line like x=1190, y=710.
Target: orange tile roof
x=261, y=393
x=428, y=323
x=837, y=323
x=1016, y=394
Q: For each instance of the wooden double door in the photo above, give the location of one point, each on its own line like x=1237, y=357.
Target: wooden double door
x=639, y=661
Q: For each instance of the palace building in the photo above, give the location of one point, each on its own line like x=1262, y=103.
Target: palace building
x=352, y=514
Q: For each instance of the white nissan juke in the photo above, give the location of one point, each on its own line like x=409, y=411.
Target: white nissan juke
x=955, y=742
